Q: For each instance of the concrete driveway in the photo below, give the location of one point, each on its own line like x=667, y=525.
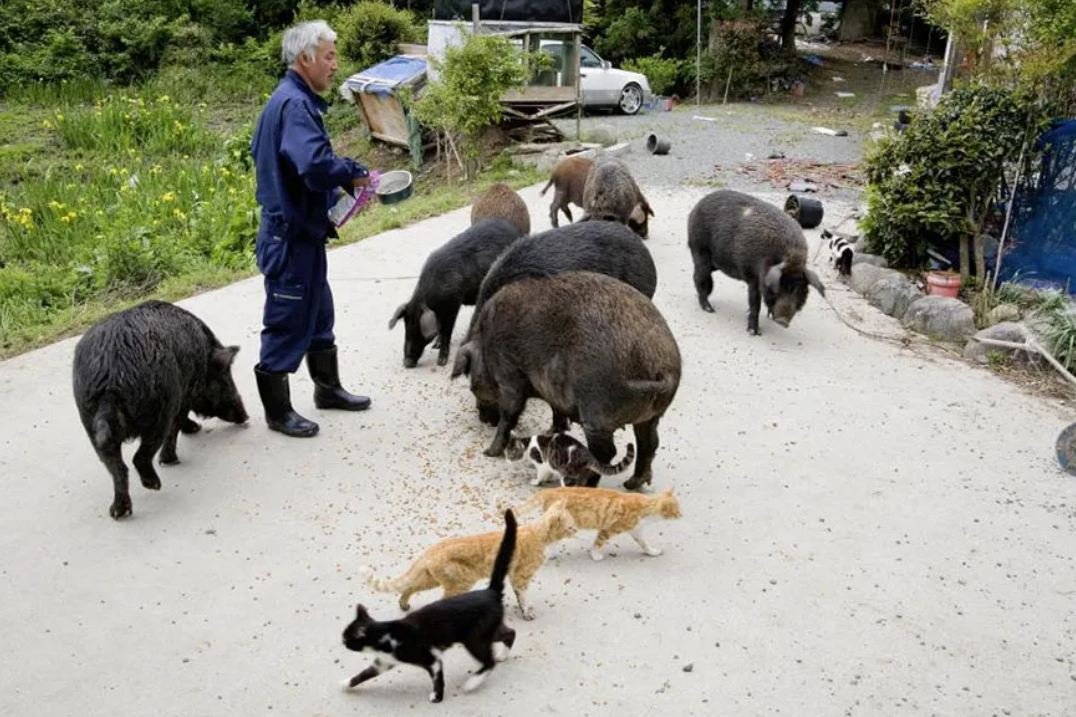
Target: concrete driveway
x=867, y=529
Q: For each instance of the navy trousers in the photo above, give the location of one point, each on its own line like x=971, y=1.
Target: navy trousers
x=298, y=315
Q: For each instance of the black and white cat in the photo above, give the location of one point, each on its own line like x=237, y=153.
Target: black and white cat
x=474, y=619
x=563, y=458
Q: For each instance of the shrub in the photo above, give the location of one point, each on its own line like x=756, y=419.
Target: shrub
x=465, y=98
x=937, y=180
x=662, y=73
x=368, y=31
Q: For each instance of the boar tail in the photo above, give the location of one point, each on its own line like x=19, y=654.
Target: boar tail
x=103, y=420
x=663, y=384
x=546, y=187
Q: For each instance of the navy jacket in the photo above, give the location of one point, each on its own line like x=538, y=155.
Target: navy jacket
x=296, y=169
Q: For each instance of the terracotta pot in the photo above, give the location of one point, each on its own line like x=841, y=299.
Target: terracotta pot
x=943, y=283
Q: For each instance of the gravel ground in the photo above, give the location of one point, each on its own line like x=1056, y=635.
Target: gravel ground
x=710, y=153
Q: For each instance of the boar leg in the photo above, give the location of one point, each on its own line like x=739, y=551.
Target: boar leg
x=646, y=444
x=560, y=422
x=446, y=321
x=111, y=456
x=152, y=441
x=189, y=426
x=512, y=403
x=704, y=280
x=168, y=452
x=601, y=446
x=754, y=305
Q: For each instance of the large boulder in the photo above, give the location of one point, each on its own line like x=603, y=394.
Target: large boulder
x=941, y=317
x=894, y=294
x=1002, y=313
x=862, y=257
x=864, y=276
x=975, y=350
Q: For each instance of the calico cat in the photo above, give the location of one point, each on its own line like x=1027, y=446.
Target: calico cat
x=455, y=564
x=560, y=456
x=474, y=619
x=608, y=511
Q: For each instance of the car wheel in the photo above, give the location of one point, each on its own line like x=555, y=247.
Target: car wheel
x=631, y=99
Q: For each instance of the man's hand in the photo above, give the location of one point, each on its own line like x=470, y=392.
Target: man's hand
x=360, y=182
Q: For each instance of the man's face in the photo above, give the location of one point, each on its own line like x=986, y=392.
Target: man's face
x=319, y=71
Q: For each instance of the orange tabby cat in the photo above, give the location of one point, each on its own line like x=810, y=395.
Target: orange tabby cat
x=455, y=564
x=608, y=511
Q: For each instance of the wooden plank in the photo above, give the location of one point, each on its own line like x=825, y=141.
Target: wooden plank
x=540, y=95
x=385, y=118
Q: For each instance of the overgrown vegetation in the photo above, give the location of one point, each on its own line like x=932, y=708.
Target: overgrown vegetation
x=464, y=100
x=111, y=193
x=937, y=181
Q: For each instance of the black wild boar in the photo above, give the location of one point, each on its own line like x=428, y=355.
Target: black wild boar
x=137, y=374
x=501, y=202
x=755, y=242
x=593, y=348
x=449, y=279
x=604, y=247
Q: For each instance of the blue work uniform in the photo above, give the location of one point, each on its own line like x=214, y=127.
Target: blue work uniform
x=297, y=175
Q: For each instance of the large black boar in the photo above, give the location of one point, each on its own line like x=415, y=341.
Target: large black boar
x=449, y=279
x=593, y=348
x=137, y=374
x=755, y=242
x=604, y=247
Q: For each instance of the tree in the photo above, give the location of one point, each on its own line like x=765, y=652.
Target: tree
x=859, y=19
x=788, y=27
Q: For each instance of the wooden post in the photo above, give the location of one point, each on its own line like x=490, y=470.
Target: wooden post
x=475, y=19
x=578, y=90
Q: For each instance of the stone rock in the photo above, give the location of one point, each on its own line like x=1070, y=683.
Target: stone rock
x=617, y=150
x=941, y=317
x=864, y=276
x=1002, y=313
x=894, y=294
x=865, y=258
x=1006, y=331
x=601, y=134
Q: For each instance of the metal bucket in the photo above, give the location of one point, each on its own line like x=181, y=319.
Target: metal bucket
x=657, y=146
x=805, y=210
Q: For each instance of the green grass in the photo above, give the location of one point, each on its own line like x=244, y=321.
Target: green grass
x=110, y=197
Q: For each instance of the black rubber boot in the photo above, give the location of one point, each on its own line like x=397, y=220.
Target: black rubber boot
x=328, y=393
x=276, y=398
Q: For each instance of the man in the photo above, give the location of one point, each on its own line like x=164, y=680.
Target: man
x=297, y=175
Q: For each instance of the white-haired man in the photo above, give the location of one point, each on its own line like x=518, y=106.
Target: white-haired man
x=297, y=175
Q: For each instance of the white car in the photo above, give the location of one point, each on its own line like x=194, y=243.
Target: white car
x=603, y=85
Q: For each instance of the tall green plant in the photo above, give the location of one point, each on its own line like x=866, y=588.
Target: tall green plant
x=464, y=100
x=938, y=179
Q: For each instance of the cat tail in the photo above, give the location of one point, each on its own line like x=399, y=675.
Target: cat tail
x=504, y=554
x=389, y=585
x=611, y=470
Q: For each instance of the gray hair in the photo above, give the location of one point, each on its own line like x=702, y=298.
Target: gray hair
x=303, y=39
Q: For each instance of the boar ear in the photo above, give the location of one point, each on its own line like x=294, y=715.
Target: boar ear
x=222, y=357
x=462, y=367
x=773, y=276
x=813, y=280
x=647, y=209
x=397, y=316
x=638, y=214
x=427, y=324
x=361, y=615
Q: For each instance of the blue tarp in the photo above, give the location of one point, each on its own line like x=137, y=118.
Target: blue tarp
x=384, y=77
x=1040, y=250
